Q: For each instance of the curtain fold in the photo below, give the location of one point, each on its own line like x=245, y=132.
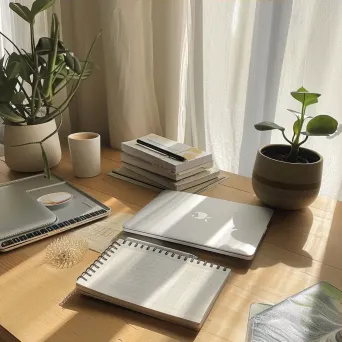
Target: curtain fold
x=312, y=58
x=127, y=38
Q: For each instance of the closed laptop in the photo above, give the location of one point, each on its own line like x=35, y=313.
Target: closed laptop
x=212, y=224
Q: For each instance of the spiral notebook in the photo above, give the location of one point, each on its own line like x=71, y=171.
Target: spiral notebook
x=167, y=285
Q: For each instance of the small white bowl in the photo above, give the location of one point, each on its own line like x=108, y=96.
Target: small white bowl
x=54, y=199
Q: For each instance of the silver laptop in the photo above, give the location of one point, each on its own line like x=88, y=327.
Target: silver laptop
x=19, y=213
x=212, y=224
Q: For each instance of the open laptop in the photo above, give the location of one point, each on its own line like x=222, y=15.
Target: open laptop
x=212, y=224
x=24, y=219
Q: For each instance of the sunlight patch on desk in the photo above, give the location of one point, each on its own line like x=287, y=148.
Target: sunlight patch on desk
x=53, y=317
x=226, y=230
x=116, y=204
x=20, y=285
x=101, y=233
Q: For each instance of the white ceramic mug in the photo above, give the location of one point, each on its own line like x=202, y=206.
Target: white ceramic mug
x=85, y=152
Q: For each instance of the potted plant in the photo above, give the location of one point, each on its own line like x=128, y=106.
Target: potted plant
x=29, y=82
x=289, y=176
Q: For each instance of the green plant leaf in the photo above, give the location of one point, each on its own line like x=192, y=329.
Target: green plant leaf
x=30, y=60
x=3, y=77
x=22, y=11
x=41, y=5
x=7, y=90
x=25, y=70
x=45, y=46
x=267, y=126
x=321, y=125
x=54, y=28
x=60, y=59
x=306, y=98
x=66, y=73
x=302, y=90
x=296, y=127
x=299, y=114
x=47, y=90
x=13, y=65
x=8, y=115
x=13, y=69
x=18, y=98
x=72, y=62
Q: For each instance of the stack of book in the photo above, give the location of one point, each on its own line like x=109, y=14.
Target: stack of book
x=159, y=163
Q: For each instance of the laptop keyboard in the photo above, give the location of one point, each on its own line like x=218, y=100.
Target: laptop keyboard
x=54, y=229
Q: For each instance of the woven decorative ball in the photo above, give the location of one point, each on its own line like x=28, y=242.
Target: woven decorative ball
x=66, y=251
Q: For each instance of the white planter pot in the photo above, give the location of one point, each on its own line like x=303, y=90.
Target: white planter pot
x=28, y=158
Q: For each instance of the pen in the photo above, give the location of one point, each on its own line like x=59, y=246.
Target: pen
x=159, y=149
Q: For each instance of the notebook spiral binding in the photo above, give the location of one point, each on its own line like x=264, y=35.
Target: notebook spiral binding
x=108, y=252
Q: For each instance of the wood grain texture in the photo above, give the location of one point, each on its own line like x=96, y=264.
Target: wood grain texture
x=299, y=249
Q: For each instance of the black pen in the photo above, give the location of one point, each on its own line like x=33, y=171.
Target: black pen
x=159, y=149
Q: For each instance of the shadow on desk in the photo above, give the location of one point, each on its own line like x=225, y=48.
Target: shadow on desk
x=101, y=327
x=10, y=260
x=288, y=232
x=6, y=336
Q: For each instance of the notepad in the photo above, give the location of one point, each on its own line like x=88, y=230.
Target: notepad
x=154, y=281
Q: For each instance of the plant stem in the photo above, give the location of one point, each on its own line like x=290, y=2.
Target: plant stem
x=286, y=137
x=63, y=86
x=302, y=119
x=24, y=91
x=34, y=110
x=304, y=141
x=293, y=155
x=73, y=91
x=11, y=41
x=46, y=138
x=34, y=90
x=33, y=43
x=47, y=84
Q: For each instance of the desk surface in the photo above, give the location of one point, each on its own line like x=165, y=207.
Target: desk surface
x=300, y=249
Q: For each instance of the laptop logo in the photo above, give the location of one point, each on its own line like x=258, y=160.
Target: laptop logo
x=199, y=215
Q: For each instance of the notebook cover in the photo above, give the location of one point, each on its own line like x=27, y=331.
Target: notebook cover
x=154, y=281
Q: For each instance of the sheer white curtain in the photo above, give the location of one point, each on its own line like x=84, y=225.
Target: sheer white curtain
x=218, y=67
x=313, y=58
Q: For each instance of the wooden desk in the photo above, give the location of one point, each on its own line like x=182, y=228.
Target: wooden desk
x=300, y=249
